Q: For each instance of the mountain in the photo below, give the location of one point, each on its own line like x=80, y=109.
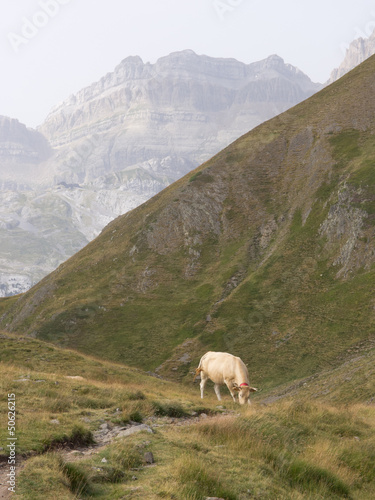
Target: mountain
x=184, y=104
x=358, y=51
x=22, y=154
x=266, y=251
x=118, y=142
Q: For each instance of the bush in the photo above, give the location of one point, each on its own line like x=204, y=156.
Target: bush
x=79, y=436
x=197, y=480
x=136, y=396
x=174, y=410
x=108, y=474
x=77, y=477
x=125, y=455
x=310, y=478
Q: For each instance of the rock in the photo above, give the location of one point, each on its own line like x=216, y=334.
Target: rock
x=185, y=358
x=54, y=421
x=358, y=51
x=148, y=457
x=104, y=460
x=135, y=429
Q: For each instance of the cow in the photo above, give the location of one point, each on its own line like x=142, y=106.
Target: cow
x=224, y=368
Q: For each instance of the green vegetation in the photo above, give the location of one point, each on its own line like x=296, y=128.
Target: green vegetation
x=315, y=440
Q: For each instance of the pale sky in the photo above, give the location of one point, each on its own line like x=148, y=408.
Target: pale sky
x=52, y=48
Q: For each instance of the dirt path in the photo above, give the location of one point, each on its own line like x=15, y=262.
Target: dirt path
x=104, y=436
x=4, y=470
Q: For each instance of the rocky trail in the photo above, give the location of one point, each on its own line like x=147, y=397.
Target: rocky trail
x=104, y=436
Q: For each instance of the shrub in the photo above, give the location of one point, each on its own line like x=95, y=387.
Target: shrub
x=125, y=455
x=197, y=480
x=77, y=477
x=136, y=396
x=169, y=410
x=79, y=436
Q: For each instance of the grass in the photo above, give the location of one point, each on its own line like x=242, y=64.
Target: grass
x=310, y=443
x=37, y=373
x=284, y=452
x=303, y=445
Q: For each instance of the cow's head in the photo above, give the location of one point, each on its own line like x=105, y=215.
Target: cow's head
x=244, y=391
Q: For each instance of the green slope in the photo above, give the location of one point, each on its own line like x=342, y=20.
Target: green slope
x=271, y=241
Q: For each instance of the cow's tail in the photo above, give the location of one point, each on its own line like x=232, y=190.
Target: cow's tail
x=197, y=372
x=199, y=369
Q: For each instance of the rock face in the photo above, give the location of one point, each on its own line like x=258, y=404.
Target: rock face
x=22, y=153
x=120, y=141
x=184, y=106
x=358, y=51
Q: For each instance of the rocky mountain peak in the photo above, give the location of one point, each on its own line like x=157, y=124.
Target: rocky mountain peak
x=130, y=68
x=22, y=150
x=358, y=51
x=29, y=142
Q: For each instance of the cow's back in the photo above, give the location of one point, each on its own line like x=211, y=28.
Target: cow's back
x=219, y=366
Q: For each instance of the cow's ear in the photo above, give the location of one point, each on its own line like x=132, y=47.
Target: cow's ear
x=252, y=389
x=236, y=388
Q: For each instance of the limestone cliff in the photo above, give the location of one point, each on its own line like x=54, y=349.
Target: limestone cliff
x=359, y=50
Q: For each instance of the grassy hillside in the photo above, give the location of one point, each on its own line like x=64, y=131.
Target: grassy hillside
x=266, y=251
x=307, y=440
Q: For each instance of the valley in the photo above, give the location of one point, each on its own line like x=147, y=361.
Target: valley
x=262, y=247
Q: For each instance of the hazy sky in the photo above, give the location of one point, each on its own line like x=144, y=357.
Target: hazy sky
x=52, y=48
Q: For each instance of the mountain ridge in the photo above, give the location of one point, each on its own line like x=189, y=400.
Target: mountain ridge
x=265, y=247
x=121, y=140
x=357, y=52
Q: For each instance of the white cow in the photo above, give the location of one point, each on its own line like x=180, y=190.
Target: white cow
x=224, y=368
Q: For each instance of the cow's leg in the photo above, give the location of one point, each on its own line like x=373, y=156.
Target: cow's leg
x=204, y=379
x=217, y=391
x=229, y=385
